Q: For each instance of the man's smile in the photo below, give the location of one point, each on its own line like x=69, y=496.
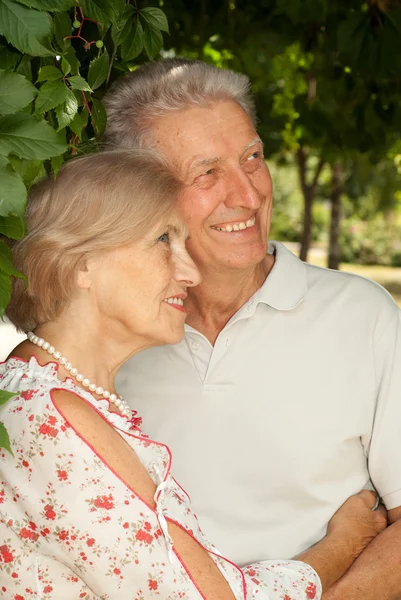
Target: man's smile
x=235, y=226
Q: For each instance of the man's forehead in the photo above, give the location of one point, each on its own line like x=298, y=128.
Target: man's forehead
x=201, y=135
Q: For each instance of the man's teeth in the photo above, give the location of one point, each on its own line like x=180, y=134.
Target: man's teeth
x=179, y=301
x=237, y=226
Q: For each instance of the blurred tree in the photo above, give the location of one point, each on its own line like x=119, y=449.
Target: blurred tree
x=326, y=76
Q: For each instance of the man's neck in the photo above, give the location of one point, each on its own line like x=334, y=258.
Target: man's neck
x=211, y=304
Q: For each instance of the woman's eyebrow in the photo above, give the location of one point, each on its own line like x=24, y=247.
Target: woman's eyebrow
x=178, y=230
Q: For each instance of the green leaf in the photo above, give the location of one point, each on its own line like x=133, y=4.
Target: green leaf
x=5, y=292
x=16, y=92
x=6, y=265
x=12, y=191
x=8, y=58
x=25, y=68
x=49, y=74
x=72, y=61
x=97, y=10
x=155, y=17
x=62, y=28
x=105, y=10
x=66, y=112
x=76, y=125
x=78, y=83
x=115, y=9
x=56, y=161
x=99, y=117
x=27, y=137
x=4, y=437
x=28, y=169
x=84, y=117
x=12, y=227
x=65, y=66
x=5, y=397
x=26, y=29
x=50, y=5
x=133, y=46
x=152, y=41
x=123, y=27
x=98, y=70
x=51, y=94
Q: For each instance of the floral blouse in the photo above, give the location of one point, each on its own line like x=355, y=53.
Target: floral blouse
x=71, y=528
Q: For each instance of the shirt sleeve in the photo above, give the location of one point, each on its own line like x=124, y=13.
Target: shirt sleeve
x=385, y=448
x=282, y=580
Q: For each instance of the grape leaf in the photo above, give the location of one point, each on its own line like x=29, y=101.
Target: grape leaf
x=25, y=28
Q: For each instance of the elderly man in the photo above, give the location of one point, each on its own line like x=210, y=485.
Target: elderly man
x=285, y=396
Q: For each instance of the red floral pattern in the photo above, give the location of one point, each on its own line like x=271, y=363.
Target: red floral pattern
x=70, y=528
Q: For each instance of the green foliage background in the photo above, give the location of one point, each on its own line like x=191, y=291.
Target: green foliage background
x=57, y=58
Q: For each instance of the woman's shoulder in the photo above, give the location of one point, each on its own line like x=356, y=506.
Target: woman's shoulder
x=17, y=374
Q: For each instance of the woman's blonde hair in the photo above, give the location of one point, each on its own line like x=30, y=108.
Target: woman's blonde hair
x=96, y=203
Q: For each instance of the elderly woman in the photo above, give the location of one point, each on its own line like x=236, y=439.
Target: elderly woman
x=89, y=508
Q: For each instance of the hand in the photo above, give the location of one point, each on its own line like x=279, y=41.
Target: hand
x=356, y=522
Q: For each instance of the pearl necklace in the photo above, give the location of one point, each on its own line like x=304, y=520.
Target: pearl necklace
x=113, y=398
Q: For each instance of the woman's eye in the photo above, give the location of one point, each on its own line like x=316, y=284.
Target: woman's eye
x=165, y=238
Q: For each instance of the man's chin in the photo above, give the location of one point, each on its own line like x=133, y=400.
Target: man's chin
x=243, y=260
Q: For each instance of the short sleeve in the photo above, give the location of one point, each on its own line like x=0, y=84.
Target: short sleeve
x=278, y=580
x=385, y=447
x=59, y=498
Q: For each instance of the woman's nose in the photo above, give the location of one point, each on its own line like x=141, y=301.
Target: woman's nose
x=187, y=271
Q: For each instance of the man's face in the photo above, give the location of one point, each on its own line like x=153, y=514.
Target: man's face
x=227, y=198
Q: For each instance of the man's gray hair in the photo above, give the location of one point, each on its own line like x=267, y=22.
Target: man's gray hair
x=161, y=87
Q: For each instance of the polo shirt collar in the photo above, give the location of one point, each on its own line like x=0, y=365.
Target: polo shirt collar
x=286, y=285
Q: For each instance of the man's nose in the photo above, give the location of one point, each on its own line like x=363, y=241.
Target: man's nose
x=242, y=192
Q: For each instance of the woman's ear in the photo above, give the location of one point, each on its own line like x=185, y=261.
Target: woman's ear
x=84, y=272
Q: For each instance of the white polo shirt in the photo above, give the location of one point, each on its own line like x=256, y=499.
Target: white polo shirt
x=277, y=424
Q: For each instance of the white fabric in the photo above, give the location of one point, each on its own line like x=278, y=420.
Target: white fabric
x=274, y=427
x=71, y=528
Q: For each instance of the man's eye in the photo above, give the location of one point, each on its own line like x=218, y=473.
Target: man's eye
x=165, y=238
x=255, y=155
x=208, y=172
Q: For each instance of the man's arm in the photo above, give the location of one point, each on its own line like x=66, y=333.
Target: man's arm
x=376, y=574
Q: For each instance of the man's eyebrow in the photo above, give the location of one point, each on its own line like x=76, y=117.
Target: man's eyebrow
x=256, y=140
x=205, y=162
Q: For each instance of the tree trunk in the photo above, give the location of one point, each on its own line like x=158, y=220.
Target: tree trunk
x=308, y=192
x=307, y=223
x=335, y=198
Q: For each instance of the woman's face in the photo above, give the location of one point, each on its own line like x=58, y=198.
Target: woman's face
x=140, y=288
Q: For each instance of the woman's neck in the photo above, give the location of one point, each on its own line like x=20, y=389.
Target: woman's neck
x=88, y=345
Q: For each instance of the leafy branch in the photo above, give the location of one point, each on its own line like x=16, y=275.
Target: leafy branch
x=55, y=68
